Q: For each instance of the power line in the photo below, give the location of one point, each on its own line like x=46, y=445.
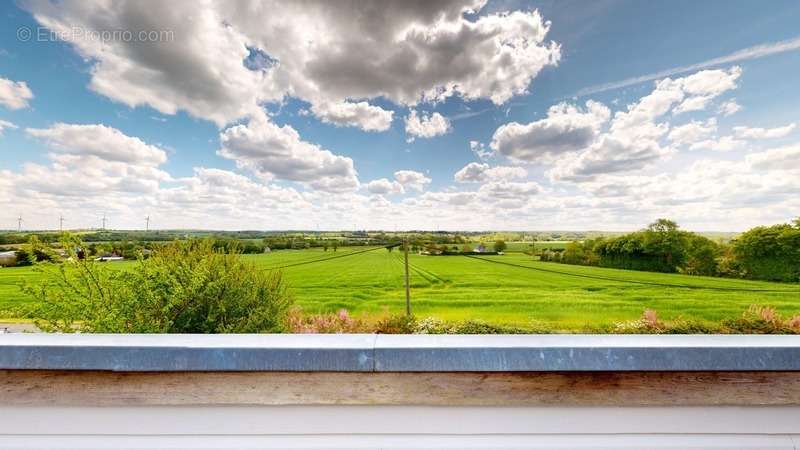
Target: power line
x=649, y=283
x=331, y=257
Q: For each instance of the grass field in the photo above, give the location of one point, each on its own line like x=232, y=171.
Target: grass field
x=508, y=289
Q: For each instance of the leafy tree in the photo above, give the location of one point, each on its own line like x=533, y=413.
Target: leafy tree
x=183, y=287
x=702, y=256
x=770, y=253
x=466, y=248
x=500, y=245
x=663, y=238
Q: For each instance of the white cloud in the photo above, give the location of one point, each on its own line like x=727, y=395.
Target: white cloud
x=6, y=125
x=274, y=152
x=567, y=128
x=763, y=133
x=411, y=179
x=480, y=151
x=634, y=139
x=405, y=52
x=383, y=186
x=426, y=126
x=101, y=141
x=729, y=108
x=92, y=161
x=480, y=173
x=723, y=144
x=14, y=94
x=693, y=131
x=361, y=114
x=781, y=159
x=704, y=86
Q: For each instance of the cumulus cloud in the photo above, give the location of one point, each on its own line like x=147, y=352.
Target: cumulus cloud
x=101, y=141
x=480, y=151
x=6, y=125
x=93, y=160
x=426, y=126
x=274, y=152
x=702, y=87
x=634, y=138
x=361, y=114
x=412, y=179
x=729, y=108
x=763, y=133
x=481, y=173
x=693, y=131
x=567, y=128
x=781, y=159
x=405, y=52
x=723, y=144
x=14, y=94
x=383, y=186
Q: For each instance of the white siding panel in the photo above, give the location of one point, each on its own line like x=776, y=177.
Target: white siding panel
x=397, y=427
x=394, y=442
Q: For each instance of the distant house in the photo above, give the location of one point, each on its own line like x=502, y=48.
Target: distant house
x=109, y=257
x=267, y=250
x=480, y=249
x=8, y=259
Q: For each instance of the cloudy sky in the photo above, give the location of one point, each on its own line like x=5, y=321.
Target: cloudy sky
x=512, y=115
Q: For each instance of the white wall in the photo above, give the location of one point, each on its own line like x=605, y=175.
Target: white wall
x=398, y=427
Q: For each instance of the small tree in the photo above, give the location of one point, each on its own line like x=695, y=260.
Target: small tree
x=183, y=287
x=500, y=246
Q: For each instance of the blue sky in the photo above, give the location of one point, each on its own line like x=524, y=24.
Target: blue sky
x=459, y=115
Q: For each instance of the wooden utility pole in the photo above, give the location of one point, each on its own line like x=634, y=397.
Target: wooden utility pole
x=408, y=287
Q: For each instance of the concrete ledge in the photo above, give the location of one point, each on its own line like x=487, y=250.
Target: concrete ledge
x=398, y=353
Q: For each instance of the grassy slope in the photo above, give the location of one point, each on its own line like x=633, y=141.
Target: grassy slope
x=456, y=287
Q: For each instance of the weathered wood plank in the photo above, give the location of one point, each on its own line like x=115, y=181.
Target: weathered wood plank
x=454, y=389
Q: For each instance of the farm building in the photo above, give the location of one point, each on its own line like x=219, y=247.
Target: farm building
x=8, y=259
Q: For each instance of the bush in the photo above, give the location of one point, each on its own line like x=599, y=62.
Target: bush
x=762, y=320
x=183, y=287
x=397, y=324
x=340, y=322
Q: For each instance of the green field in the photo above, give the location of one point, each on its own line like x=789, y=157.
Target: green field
x=492, y=288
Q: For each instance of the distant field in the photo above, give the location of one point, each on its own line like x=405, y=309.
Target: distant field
x=457, y=287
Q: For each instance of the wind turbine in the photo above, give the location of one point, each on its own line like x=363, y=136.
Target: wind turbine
x=147, y=223
x=19, y=223
x=104, y=221
x=61, y=223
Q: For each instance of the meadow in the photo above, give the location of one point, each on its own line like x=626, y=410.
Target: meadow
x=508, y=289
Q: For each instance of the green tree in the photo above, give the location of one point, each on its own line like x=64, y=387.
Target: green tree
x=663, y=238
x=770, y=253
x=500, y=245
x=183, y=287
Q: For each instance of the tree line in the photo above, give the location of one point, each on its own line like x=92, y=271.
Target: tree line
x=762, y=253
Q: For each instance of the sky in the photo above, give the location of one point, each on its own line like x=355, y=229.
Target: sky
x=447, y=115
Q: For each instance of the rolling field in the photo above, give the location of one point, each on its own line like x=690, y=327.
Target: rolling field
x=508, y=289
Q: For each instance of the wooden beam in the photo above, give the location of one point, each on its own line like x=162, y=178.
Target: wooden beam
x=90, y=388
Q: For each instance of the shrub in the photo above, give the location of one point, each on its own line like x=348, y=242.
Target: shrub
x=396, y=324
x=183, y=287
x=481, y=327
x=762, y=320
x=340, y=322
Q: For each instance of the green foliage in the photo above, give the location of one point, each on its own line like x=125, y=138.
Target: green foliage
x=770, y=253
x=500, y=245
x=396, y=324
x=762, y=320
x=184, y=287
